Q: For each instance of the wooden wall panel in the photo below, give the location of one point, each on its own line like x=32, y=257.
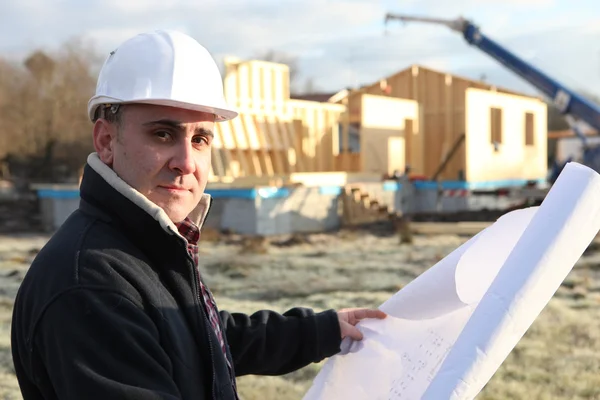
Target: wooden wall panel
x=257, y=86
x=322, y=123
x=511, y=159
x=442, y=98
x=268, y=146
x=274, y=134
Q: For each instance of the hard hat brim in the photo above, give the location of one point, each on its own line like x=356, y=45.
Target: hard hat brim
x=222, y=112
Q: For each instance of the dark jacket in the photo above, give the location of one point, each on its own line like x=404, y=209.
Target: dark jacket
x=110, y=310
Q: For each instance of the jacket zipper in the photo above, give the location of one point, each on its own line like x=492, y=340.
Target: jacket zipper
x=207, y=325
x=202, y=310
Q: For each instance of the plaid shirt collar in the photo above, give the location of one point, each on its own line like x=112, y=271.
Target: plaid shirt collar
x=189, y=231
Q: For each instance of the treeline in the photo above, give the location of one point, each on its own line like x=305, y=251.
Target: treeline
x=45, y=135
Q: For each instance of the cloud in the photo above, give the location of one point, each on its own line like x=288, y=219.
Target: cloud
x=111, y=35
x=339, y=42
x=530, y=3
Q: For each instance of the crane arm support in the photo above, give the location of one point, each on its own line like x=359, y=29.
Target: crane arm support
x=567, y=101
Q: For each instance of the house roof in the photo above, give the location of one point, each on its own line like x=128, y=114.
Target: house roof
x=322, y=97
x=480, y=84
x=338, y=96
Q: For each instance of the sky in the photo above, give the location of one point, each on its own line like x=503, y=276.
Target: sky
x=337, y=43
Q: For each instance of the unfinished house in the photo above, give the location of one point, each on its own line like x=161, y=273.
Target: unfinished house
x=456, y=129
x=275, y=136
x=384, y=126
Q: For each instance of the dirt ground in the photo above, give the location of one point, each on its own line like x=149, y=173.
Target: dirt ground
x=559, y=357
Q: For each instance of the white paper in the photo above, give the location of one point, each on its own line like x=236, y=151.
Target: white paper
x=450, y=329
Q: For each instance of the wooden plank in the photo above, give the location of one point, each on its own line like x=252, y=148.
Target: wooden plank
x=228, y=161
x=334, y=141
x=345, y=135
x=229, y=144
x=265, y=155
x=434, y=133
x=217, y=163
x=409, y=141
x=267, y=125
x=418, y=163
x=300, y=133
x=448, y=127
x=294, y=129
x=238, y=138
x=328, y=151
x=288, y=149
x=308, y=147
x=312, y=139
x=254, y=149
x=459, y=102
x=319, y=137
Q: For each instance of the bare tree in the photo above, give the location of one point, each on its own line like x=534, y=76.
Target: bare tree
x=44, y=130
x=310, y=87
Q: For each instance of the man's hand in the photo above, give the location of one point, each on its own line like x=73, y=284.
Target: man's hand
x=349, y=317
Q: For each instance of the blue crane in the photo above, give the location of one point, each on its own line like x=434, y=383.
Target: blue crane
x=579, y=112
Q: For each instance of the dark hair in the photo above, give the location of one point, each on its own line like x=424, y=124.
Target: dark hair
x=113, y=113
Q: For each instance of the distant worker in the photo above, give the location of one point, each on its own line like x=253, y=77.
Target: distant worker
x=406, y=194
x=114, y=306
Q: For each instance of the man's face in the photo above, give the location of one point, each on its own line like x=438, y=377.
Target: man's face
x=163, y=152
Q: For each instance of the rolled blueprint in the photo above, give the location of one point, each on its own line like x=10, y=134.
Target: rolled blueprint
x=449, y=330
x=558, y=234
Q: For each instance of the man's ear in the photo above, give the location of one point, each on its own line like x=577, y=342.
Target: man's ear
x=104, y=136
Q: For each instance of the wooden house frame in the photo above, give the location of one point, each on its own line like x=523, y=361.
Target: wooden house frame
x=274, y=135
x=475, y=131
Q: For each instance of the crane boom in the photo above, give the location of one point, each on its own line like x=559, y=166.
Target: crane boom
x=567, y=101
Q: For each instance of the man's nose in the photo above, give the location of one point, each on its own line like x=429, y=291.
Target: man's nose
x=183, y=161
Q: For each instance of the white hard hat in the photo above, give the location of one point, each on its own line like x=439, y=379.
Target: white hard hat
x=164, y=68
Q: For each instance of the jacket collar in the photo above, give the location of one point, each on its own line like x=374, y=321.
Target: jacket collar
x=93, y=188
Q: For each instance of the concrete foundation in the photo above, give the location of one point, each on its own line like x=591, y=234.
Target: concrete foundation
x=57, y=202
x=261, y=211
x=275, y=211
x=270, y=211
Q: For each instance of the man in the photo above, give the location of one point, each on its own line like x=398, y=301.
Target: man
x=114, y=306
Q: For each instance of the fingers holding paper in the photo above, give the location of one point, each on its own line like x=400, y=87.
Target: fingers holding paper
x=349, y=317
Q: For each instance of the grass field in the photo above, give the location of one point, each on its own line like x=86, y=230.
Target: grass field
x=559, y=357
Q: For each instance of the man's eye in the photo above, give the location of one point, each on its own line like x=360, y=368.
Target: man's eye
x=164, y=135
x=200, y=140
